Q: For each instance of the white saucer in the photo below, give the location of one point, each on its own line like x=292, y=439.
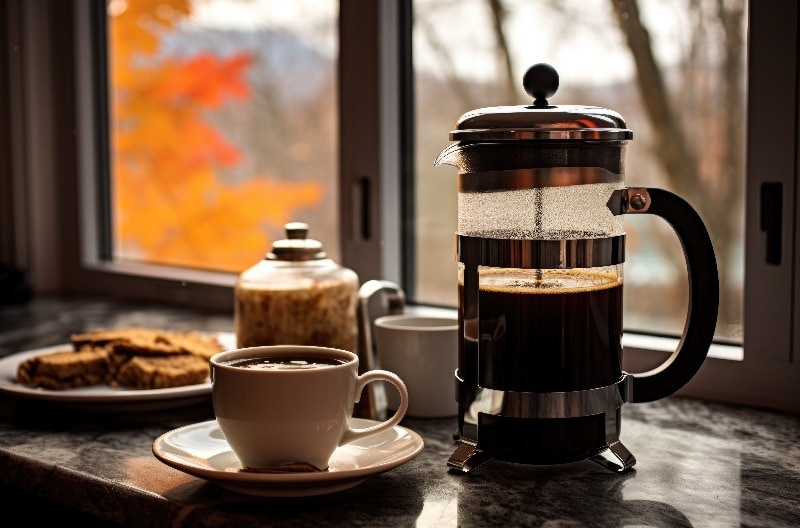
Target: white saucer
x=201, y=450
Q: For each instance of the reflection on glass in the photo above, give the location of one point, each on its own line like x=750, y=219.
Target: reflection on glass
x=223, y=128
x=675, y=70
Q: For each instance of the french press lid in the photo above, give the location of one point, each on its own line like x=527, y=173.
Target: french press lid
x=538, y=136
x=296, y=246
x=541, y=120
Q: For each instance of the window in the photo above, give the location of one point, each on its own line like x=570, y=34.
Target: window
x=222, y=129
x=54, y=172
x=695, y=51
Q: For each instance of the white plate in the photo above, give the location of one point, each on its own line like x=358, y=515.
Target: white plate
x=103, y=397
x=201, y=450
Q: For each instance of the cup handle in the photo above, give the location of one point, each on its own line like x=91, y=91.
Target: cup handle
x=394, y=299
x=378, y=375
x=701, y=263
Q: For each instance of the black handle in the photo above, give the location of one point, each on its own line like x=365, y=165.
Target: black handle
x=701, y=320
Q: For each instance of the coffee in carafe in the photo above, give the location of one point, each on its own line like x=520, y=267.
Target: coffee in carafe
x=571, y=343
x=541, y=247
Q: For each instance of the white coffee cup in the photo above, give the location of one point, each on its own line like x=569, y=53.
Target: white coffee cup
x=288, y=414
x=423, y=350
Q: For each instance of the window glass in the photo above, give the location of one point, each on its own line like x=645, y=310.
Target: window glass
x=674, y=69
x=223, y=127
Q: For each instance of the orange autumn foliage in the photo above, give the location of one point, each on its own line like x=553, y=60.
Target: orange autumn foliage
x=171, y=207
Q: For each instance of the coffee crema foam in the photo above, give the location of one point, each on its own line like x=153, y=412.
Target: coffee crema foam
x=547, y=281
x=285, y=363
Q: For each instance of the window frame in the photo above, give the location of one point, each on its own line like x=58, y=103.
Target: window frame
x=50, y=150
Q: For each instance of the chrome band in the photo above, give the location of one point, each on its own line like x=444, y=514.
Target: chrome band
x=587, y=134
x=541, y=254
x=516, y=179
x=553, y=404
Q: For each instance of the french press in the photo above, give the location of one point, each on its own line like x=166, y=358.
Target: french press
x=540, y=249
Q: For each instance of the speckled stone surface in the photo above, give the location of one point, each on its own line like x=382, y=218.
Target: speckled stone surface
x=698, y=464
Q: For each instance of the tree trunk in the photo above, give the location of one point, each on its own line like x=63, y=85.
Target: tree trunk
x=498, y=11
x=671, y=148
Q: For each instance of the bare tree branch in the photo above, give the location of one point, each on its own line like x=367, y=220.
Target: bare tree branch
x=458, y=87
x=498, y=11
x=678, y=159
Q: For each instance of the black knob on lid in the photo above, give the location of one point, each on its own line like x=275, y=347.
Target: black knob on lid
x=540, y=82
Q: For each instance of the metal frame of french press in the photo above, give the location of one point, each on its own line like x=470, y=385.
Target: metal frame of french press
x=473, y=252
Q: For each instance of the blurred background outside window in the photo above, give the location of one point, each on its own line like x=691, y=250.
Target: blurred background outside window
x=675, y=70
x=224, y=126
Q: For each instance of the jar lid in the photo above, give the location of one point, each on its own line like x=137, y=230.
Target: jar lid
x=296, y=246
x=540, y=120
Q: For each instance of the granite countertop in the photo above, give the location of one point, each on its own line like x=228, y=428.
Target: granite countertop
x=698, y=463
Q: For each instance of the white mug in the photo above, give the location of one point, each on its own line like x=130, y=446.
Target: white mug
x=423, y=350
x=295, y=410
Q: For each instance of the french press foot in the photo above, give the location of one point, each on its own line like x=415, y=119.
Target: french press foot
x=613, y=456
x=467, y=457
x=616, y=458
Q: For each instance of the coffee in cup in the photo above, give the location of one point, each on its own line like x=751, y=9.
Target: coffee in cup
x=291, y=405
